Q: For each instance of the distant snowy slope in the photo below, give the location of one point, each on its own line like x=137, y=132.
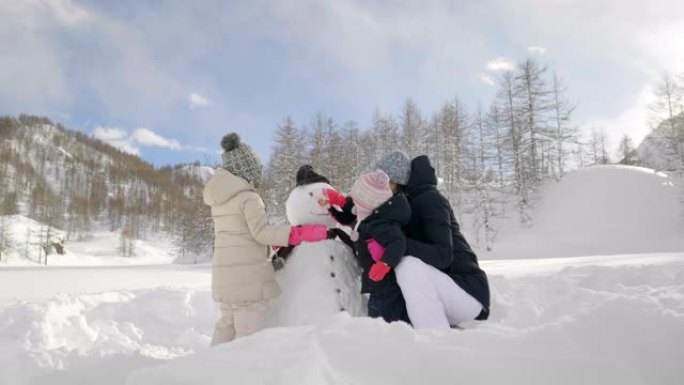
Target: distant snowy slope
x=599, y=210
x=24, y=235
x=203, y=173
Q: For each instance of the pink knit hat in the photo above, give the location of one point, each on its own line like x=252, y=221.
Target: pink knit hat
x=370, y=191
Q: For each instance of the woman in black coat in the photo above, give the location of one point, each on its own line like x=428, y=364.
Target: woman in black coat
x=440, y=278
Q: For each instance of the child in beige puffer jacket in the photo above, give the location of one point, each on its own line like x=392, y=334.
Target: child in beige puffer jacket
x=243, y=280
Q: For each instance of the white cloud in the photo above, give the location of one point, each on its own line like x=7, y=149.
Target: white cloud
x=37, y=13
x=632, y=120
x=662, y=48
x=30, y=69
x=362, y=35
x=36, y=67
x=486, y=79
x=198, y=101
x=145, y=137
x=107, y=134
x=536, y=50
x=501, y=64
x=66, y=11
x=117, y=138
x=141, y=137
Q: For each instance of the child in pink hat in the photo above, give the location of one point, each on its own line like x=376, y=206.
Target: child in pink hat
x=381, y=242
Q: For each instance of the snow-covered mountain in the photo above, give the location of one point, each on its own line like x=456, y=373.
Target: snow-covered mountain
x=69, y=181
x=200, y=172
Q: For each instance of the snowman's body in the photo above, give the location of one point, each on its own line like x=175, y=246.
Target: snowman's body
x=319, y=279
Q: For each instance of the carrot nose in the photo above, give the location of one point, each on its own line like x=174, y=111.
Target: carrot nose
x=322, y=202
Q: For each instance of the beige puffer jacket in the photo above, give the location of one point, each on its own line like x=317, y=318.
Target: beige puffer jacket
x=241, y=272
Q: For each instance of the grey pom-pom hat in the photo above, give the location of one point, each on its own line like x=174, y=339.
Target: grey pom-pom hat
x=396, y=165
x=241, y=160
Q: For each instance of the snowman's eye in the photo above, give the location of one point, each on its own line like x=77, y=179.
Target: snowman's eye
x=310, y=193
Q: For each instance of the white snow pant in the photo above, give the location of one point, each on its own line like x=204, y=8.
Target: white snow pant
x=433, y=300
x=238, y=320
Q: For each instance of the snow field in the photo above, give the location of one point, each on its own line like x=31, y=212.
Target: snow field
x=598, y=323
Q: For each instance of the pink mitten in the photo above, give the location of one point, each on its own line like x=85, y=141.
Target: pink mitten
x=334, y=198
x=307, y=233
x=378, y=271
x=376, y=250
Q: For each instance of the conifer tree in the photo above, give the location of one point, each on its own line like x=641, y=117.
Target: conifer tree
x=626, y=152
x=451, y=126
x=288, y=155
x=413, y=137
x=667, y=117
x=386, y=134
x=5, y=242
x=562, y=113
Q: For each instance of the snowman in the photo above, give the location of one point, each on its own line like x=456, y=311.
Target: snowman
x=318, y=279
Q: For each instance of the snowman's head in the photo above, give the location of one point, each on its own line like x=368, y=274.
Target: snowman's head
x=307, y=205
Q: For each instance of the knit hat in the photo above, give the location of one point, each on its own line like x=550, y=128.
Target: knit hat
x=241, y=160
x=370, y=191
x=307, y=175
x=396, y=165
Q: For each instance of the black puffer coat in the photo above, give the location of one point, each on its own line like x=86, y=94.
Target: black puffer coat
x=433, y=235
x=385, y=226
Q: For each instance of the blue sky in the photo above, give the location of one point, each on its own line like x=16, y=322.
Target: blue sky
x=166, y=79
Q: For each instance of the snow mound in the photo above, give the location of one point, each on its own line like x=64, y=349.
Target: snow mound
x=77, y=331
x=600, y=210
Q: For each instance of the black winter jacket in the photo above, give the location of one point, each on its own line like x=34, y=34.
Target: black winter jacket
x=385, y=226
x=433, y=235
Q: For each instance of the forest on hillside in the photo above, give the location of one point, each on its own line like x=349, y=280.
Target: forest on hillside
x=74, y=183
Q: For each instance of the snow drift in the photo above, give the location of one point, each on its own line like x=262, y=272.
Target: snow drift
x=597, y=211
